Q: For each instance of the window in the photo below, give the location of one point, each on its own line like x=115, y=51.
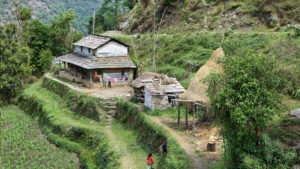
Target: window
x=81, y=48
x=89, y=50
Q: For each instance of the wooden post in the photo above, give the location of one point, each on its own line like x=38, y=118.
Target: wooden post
x=178, y=113
x=91, y=78
x=59, y=64
x=65, y=66
x=186, y=118
x=194, y=108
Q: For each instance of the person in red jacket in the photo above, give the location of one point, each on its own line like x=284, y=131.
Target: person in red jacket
x=150, y=161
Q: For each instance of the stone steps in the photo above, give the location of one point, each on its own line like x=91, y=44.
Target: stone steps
x=110, y=106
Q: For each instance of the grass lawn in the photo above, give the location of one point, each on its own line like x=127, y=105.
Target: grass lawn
x=24, y=146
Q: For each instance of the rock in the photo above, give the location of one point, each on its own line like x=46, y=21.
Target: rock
x=295, y=113
x=298, y=149
x=296, y=167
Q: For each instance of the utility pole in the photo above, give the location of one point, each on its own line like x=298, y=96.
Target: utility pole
x=94, y=21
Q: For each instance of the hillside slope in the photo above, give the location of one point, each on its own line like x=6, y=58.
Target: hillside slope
x=213, y=14
x=46, y=9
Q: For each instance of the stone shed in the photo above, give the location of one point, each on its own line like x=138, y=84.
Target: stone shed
x=156, y=91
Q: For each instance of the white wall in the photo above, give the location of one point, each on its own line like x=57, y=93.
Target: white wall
x=148, y=98
x=85, y=51
x=113, y=48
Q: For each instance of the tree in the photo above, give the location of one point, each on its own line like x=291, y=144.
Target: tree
x=58, y=38
x=23, y=16
x=245, y=98
x=129, y=4
x=106, y=17
x=44, y=63
x=15, y=66
x=63, y=30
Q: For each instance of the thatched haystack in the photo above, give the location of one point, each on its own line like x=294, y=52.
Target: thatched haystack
x=197, y=89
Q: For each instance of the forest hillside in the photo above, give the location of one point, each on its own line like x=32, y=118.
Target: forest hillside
x=44, y=10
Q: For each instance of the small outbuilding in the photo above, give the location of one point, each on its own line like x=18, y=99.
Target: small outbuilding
x=156, y=91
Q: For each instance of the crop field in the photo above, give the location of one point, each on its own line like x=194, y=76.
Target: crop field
x=24, y=146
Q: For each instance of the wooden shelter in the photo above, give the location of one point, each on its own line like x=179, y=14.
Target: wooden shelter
x=156, y=91
x=98, y=59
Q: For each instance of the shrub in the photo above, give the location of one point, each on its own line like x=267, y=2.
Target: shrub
x=133, y=99
x=271, y=155
x=298, y=94
x=217, y=10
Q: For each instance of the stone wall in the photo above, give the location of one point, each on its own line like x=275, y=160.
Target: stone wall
x=160, y=102
x=68, y=76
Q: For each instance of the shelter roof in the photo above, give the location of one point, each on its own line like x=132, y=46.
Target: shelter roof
x=158, y=84
x=97, y=62
x=95, y=41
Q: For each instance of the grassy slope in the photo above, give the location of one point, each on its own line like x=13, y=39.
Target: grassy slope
x=61, y=113
x=62, y=116
x=24, y=145
x=197, y=15
x=182, y=54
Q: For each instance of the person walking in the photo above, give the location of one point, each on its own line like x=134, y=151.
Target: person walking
x=150, y=161
x=164, y=147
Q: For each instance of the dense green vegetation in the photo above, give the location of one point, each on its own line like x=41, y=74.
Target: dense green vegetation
x=68, y=129
x=15, y=66
x=245, y=98
x=108, y=16
x=24, y=146
x=152, y=136
x=45, y=10
x=28, y=49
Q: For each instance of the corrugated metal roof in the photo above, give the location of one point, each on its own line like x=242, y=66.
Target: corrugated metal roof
x=98, y=62
x=94, y=41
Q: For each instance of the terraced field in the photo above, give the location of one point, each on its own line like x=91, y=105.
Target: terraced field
x=24, y=146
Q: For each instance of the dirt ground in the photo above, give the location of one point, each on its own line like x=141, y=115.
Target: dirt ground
x=194, y=142
x=124, y=92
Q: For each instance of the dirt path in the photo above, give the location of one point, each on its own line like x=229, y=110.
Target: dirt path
x=124, y=141
x=117, y=91
x=185, y=143
x=120, y=147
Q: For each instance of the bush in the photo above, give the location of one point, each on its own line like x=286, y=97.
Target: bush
x=271, y=155
x=133, y=99
x=76, y=101
x=152, y=136
x=298, y=94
